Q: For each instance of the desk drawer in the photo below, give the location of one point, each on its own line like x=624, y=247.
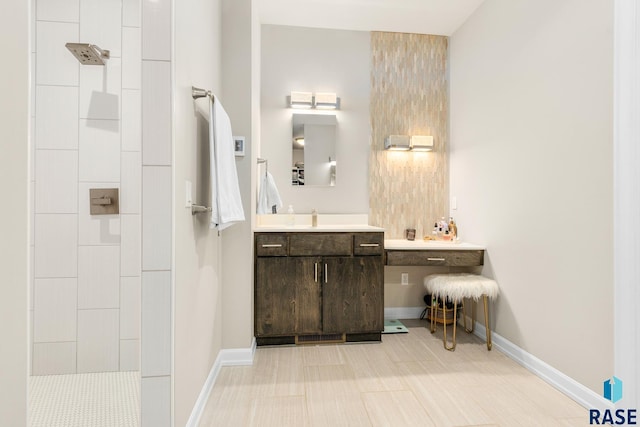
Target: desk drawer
x=368, y=243
x=272, y=244
x=458, y=258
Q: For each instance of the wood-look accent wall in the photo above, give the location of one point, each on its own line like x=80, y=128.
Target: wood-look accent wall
x=409, y=96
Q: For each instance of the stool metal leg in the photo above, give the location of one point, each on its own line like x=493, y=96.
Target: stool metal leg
x=473, y=317
x=433, y=312
x=455, y=321
x=486, y=320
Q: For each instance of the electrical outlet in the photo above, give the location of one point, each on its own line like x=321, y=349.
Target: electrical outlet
x=404, y=278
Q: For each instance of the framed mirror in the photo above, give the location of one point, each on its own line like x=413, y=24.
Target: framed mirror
x=313, y=150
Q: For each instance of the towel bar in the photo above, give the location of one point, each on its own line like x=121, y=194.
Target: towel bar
x=196, y=209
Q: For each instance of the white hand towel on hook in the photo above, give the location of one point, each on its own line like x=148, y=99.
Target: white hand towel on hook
x=269, y=195
x=225, y=192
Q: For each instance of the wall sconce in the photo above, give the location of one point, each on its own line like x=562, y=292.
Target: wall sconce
x=325, y=101
x=397, y=143
x=321, y=101
x=406, y=143
x=301, y=100
x=421, y=143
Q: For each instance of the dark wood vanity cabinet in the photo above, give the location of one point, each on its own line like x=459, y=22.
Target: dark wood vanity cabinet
x=318, y=287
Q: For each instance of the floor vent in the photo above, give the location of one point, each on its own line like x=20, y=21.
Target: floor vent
x=320, y=339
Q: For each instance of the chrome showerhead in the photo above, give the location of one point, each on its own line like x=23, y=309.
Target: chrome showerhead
x=88, y=54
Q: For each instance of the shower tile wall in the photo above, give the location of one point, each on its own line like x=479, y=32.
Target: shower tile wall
x=87, y=269
x=102, y=284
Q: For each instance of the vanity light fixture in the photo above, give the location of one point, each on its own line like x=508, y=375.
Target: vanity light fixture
x=301, y=100
x=421, y=143
x=319, y=101
x=397, y=143
x=325, y=101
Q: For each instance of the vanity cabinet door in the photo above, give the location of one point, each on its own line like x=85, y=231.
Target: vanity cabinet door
x=353, y=292
x=288, y=297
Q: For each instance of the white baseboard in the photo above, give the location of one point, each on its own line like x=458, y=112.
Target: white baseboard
x=228, y=357
x=568, y=386
x=402, y=312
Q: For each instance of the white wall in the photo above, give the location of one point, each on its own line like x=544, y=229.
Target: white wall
x=316, y=60
x=197, y=285
x=531, y=168
x=14, y=131
x=87, y=268
x=627, y=199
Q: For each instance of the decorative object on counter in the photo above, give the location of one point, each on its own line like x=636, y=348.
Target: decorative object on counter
x=314, y=217
x=453, y=229
x=410, y=234
x=291, y=216
x=455, y=288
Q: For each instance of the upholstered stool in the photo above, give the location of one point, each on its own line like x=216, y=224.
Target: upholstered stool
x=456, y=287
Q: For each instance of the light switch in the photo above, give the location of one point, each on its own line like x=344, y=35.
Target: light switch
x=404, y=278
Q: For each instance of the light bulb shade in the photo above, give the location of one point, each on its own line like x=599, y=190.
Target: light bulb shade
x=301, y=100
x=421, y=143
x=397, y=143
x=326, y=101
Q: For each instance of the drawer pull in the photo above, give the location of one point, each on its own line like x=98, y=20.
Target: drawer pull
x=315, y=277
x=272, y=245
x=326, y=274
x=369, y=245
x=436, y=259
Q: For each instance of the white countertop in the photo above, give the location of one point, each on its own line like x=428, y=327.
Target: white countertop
x=422, y=245
x=340, y=228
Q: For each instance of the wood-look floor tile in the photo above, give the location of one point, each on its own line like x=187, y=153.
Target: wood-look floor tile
x=278, y=371
x=380, y=375
x=548, y=400
x=396, y=408
x=317, y=355
x=230, y=400
x=329, y=381
x=401, y=349
x=344, y=409
x=444, y=403
x=280, y=411
x=506, y=407
x=574, y=422
x=370, y=384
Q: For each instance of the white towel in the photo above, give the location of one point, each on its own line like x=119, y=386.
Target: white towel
x=269, y=195
x=225, y=192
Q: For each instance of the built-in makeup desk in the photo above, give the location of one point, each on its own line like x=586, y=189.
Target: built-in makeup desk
x=432, y=253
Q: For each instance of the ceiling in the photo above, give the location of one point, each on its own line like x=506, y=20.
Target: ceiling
x=440, y=17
